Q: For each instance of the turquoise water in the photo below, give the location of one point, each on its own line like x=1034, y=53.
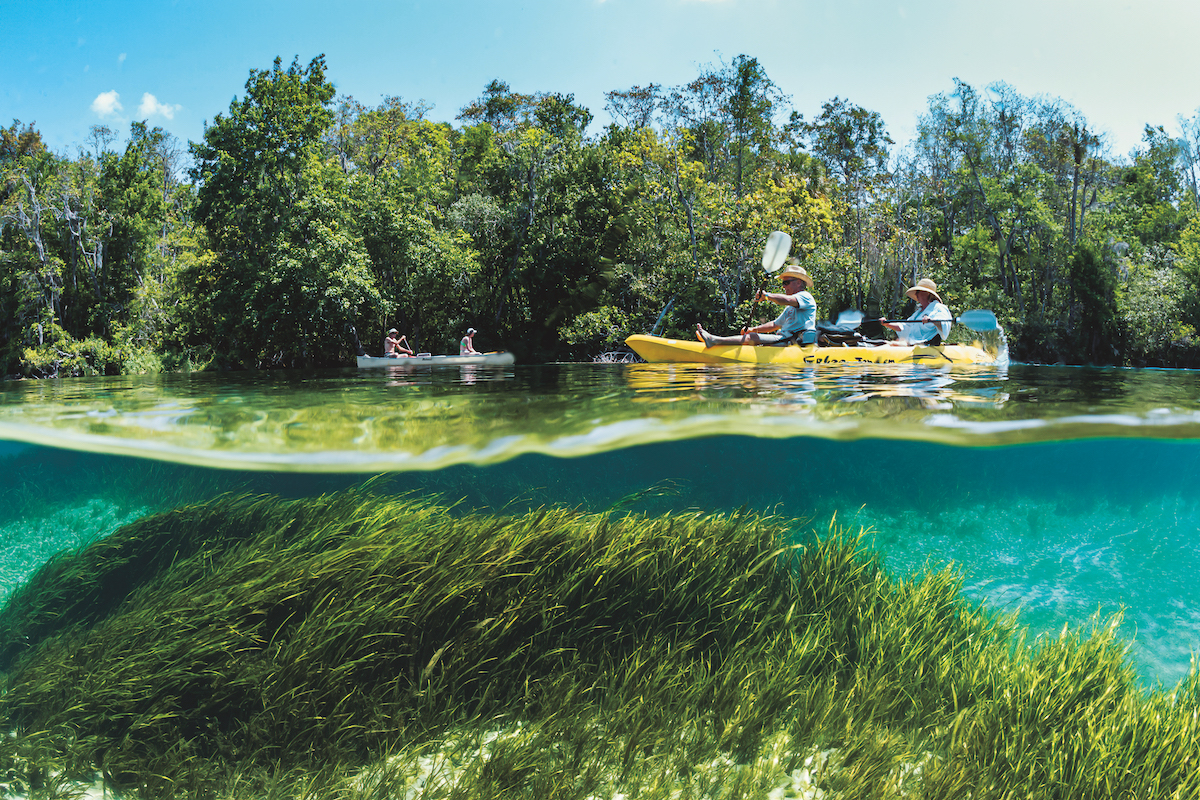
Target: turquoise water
x=1059, y=493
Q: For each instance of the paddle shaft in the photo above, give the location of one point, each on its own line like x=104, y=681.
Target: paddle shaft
x=976, y=320
x=753, y=302
x=774, y=252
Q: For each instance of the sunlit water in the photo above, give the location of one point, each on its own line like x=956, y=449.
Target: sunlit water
x=1060, y=492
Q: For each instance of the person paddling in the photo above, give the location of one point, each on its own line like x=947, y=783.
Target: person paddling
x=930, y=322
x=396, y=348
x=798, y=322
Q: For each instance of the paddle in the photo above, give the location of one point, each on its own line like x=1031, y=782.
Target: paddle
x=776, y=250
x=976, y=320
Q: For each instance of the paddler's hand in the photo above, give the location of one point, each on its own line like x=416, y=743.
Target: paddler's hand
x=760, y=295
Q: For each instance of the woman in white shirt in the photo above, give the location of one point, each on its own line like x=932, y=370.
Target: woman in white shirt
x=930, y=321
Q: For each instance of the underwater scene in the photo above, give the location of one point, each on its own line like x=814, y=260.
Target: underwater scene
x=602, y=580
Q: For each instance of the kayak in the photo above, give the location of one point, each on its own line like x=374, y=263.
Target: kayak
x=497, y=359
x=658, y=349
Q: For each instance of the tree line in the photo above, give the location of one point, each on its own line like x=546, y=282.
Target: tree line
x=303, y=218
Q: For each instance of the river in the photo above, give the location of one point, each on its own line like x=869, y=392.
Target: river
x=1058, y=493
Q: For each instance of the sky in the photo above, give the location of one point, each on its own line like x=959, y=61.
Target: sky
x=178, y=63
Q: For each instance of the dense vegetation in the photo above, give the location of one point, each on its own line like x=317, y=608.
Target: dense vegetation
x=363, y=646
x=305, y=216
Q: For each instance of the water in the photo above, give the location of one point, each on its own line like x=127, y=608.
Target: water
x=1057, y=492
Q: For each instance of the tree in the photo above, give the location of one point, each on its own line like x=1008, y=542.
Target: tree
x=1145, y=205
x=635, y=108
x=19, y=140
x=1093, y=307
x=290, y=277
x=852, y=142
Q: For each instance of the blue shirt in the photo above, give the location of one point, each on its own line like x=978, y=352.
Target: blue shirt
x=800, y=317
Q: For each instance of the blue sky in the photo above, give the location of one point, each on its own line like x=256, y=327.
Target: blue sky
x=71, y=65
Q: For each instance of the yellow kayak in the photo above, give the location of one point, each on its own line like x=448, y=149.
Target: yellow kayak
x=658, y=349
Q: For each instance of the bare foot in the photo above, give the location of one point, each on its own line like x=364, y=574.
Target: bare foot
x=704, y=336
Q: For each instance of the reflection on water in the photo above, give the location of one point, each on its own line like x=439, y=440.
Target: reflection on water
x=431, y=418
x=826, y=386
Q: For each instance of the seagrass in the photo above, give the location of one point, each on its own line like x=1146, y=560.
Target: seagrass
x=355, y=645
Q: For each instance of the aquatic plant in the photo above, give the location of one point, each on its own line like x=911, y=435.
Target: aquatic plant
x=355, y=645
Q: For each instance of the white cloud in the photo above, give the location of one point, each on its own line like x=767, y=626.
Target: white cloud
x=121, y=58
x=107, y=103
x=150, y=107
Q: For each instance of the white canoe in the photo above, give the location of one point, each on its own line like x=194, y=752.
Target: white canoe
x=498, y=359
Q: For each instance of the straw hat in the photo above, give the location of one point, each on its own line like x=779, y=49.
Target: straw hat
x=392, y=330
x=924, y=285
x=793, y=270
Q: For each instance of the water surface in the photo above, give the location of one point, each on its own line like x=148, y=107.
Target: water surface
x=1061, y=492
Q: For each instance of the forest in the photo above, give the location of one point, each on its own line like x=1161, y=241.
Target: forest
x=303, y=218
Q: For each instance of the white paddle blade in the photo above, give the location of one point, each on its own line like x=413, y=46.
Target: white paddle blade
x=850, y=319
x=979, y=320
x=779, y=244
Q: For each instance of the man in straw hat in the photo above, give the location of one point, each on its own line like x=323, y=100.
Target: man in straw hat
x=798, y=320
x=931, y=321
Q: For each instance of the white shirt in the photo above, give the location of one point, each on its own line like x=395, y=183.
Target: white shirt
x=913, y=334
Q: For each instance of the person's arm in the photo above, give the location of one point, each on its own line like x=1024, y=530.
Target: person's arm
x=898, y=327
x=778, y=298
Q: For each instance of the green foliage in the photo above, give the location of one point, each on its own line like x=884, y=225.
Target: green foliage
x=1094, y=307
x=597, y=331
x=1154, y=304
x=87, y=250
x=69, y=358
x=17, y=141
x=1144, y=211
x=253, y=164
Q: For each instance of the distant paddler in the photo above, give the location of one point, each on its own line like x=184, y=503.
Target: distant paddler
x=395, y=348
x=466, y=346
x=797, y=323
x=930, y=322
